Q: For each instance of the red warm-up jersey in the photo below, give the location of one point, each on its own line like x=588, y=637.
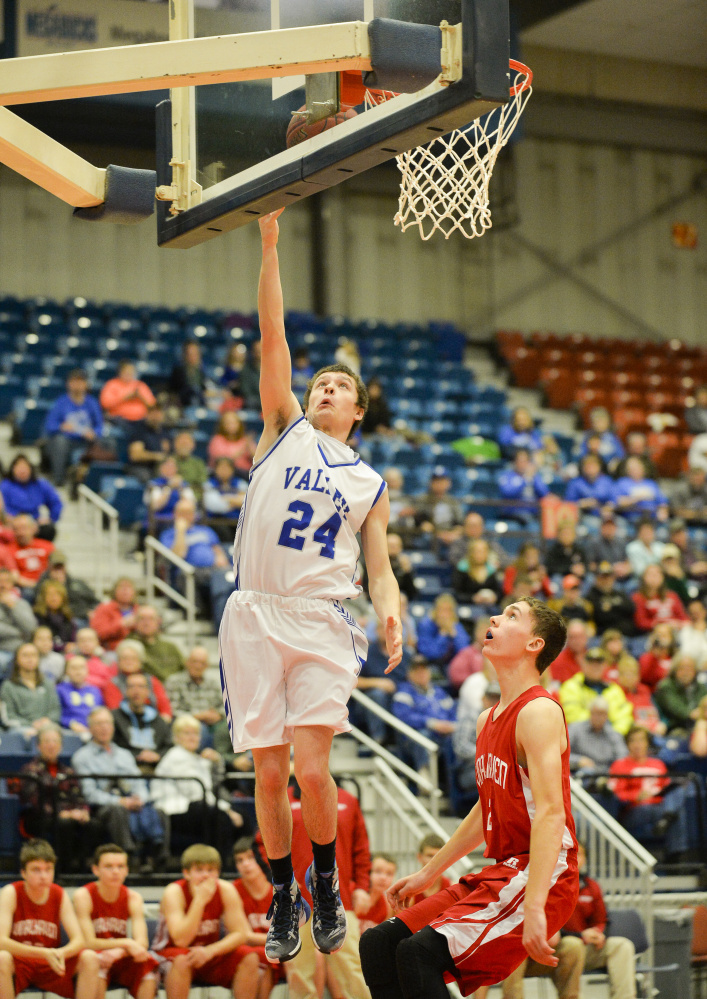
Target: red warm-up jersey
x=256, y=909
x=589, y=911
x=209, y=928
x=506, y=797
x=37, y=925
x=110, y=919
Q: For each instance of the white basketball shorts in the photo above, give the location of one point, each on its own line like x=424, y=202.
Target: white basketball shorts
x=286, y=662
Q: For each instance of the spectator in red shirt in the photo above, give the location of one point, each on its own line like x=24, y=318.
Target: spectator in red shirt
x=645, y=712
x=130, y=659
x=655, y=604
x=572, y=658
x=657, y=661
x=31, y=554
x=528, y=564
x=383, y=870
x=470, y=659
x=639, y=782
x=429, y=847
x=114, y=619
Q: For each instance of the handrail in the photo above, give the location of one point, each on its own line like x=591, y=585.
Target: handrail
x=186, y=600
x=98, y=507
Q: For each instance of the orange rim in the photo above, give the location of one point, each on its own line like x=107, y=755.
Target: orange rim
x=520, y=67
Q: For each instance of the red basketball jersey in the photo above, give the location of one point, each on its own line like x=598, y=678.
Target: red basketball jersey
x=33, y=924
x=209, y=928
x=110, y=919
x=256, y=909
x=507, y=804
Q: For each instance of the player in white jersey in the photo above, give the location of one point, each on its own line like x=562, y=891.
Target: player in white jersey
x=290, y=651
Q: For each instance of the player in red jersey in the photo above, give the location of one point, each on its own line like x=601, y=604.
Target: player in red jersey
x=481, y=928
x=188, y=939
x=255, y=891
x=104, y=908
x=32, y=914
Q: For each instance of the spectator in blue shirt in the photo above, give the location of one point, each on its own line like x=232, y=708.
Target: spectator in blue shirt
x=523, y=483
x=520, y=432
x=24, y=492
x=198, y=545
x=610, y=448
x=430, y=710
x=591, y=490
x=73, y=422
x=440, y=635
x=636, y=495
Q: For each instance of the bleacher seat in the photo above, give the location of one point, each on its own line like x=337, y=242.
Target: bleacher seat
x=30, y=427
x=125, y=493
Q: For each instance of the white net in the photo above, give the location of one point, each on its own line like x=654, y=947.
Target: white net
x=445, y=185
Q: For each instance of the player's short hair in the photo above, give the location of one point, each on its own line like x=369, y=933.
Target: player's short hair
x=106, y=848
x=430, y=840
x=200, y=853
x=361, y=390
x=36, y=849
x=551, y=627
x=387, y=857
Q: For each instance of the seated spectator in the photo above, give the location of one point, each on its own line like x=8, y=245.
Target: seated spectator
x=17, y=620
x=81, y=596
x=191, y=468
x=256, y=892
x=474, y=529
x=528, y=564
x=29, y=552
x=148, y=443
x=612, y=609
x=656, y=662
x=675, y=576
x=678, y=696
x=23, y=492
x=645, y=712
x=73, y=422
x=607, y=547
x=635, y=494
x=378, y=418
x=549, y=460
x=188, y=384
x=594, y=742
x=572, y=605
x=577, y=694
x=161, y=657
x=468, y=660
x=52, y=609
x=230, y=440
x=196, y=690
x=374, y=683
x=697, y=455
x=130, y=656
x=88, y=645
x=440, y=635
x=696, y=414
x=77, y=697
x=120, y=804
x=471, y=692
x=302, y=371
x=192, y=805
x=698, y=736
x=638, y=781
x=610, y=448
x=126, y=397
x=464, y=736
x=521, y=482
x=55, y=787
x=113, y=620
x=347, y=353
x=655, y=603
x=566, y=555
x=51, y=663
x=692, y=637
x=401, y=565
x=572, y=660
x=693, y=557
x=438, y=512
x=138, y=726
x=592, y=489
x=250, y=378
x=475, y=579
x=519, y=433
x=230, y=380
x=428, y=709
x=224, y=493
x=198, y=545
x=689, y=498
x=636, y=447
x=402, y=507
x=383, y=869
x=165, y=491
x=28, y=700
x=615, y=654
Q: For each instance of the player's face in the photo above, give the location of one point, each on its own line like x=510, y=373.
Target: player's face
x=246, y=864
x=112, y=869
x=510, y=636
x=38, y=874
x=333, y=402
x=201, y=872
x=382, y=874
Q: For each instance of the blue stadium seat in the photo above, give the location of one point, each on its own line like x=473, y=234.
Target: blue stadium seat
x=15, y=751
x=10, y=840
x=10, y=388
x=30, y=427
x=98, y=470
x=125, y=493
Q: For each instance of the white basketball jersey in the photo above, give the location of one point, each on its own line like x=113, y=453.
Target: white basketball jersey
x=306, y=501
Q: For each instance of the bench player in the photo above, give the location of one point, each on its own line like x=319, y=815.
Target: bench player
x=290, y=651
x=481, y=928
x=33, y=912
x=104, y=907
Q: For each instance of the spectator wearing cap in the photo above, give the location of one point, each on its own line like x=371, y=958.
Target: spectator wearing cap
x=611, y=607
x=594, y=743
x=577, y=694
x=148, y=444
x=635, y=494
x=592, y=489
x=572, y=605
x=693, y=559
x=440, y=635
x=608, y=547
x=520, y=432
x=655, y=604
x=73, y=422
x=81, y=596
x=464, y=736
x=438, y=512
x=24, y=492
x=428, y=709
x=522, y=483
x=566, y=555
x=644, y=550
x=572, y=658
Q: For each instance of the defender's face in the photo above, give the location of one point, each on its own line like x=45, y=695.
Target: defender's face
x=333, y=402
x=510, y=634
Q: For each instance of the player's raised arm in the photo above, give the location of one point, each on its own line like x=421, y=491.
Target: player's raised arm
x=541, y=735
x=382, y=585
x=280, y=405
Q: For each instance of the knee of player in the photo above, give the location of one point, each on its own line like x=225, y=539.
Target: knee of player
x=249, y=962
x=89, y=961
x=377, y=948
x=181, y=966
x=271, y=778
x=313, y=775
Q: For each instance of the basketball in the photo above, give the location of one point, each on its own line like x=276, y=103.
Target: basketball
x=299, y=129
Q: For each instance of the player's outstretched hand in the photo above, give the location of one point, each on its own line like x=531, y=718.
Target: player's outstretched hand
x=535, y=939
x=393, y=642
x=402, y=892
x=269, y=229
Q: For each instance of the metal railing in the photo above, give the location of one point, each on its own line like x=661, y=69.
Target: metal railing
x=104, y=544
x=185, y=600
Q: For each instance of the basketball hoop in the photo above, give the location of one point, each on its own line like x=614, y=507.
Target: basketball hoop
x=445, y=184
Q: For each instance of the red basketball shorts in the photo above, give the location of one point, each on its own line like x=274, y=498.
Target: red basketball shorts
x=218, y=971
x=31, y=971
x=129, y=974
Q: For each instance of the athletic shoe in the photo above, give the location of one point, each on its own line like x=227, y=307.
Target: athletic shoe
x=288, y=911
x=329, y=919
